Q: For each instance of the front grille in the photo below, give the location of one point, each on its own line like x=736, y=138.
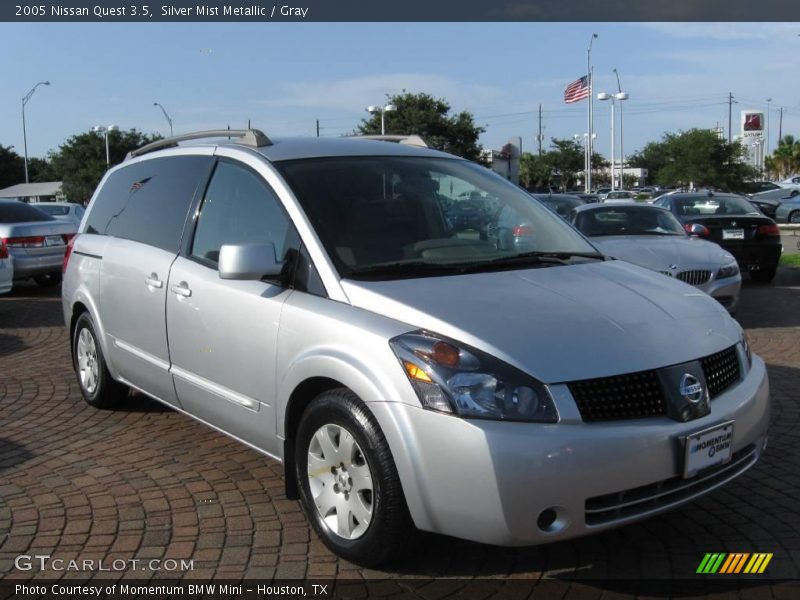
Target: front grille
x=619, y=506
x=631, y=396
x=721, y=371
x=690, y=277
x=639, y=395
x=694, y=277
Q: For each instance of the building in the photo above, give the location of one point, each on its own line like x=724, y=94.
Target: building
x=47, y=191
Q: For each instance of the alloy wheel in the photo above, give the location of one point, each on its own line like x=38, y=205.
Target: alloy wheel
x=88, y=367
x=340, y=481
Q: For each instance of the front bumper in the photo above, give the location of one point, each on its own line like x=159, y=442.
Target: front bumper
x=725, y=291
x=490, y=481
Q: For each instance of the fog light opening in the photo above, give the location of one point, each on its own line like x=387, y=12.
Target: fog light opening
x=552, y=520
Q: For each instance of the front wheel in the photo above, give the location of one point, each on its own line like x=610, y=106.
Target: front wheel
x=763, y=275
x=95, y=382
x=794, y=217
x=349, y=487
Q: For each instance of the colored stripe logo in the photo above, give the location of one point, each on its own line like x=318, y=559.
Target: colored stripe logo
x=734, y=563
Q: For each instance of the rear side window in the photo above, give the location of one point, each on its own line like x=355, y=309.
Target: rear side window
x=19, y=212
x=239, y=207
x=147, y=202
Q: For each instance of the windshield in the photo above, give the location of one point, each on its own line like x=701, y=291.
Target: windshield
x=704, y=206
x=375, y=211
x=627, y=220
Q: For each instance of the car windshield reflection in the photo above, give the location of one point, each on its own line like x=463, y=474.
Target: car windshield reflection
x=400, y=216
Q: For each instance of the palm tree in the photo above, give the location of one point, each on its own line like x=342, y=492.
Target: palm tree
x=785, y=161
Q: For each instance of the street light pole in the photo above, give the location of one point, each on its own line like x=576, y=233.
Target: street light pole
x=105, y=130
x=621, y=96
x=373, y=110
x=590, y=74
x=604, y=96
x=25, y=99
x=768, y=103
x=166, y=116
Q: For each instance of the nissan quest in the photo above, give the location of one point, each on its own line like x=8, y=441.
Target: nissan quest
x=313, y=299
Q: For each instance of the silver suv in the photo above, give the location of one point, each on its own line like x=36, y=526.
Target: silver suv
x=327, y=302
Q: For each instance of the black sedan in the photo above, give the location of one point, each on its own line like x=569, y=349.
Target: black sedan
x=733, y=223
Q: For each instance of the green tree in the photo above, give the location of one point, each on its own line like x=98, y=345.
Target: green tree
x=12, y=167
x=697, y=156
x=41, y=169
x=785, y=160
x=430, y=118
x=534, y=170
x=80, y=162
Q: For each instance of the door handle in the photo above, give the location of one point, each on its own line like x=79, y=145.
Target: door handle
x=154, y=281
x=182, y=289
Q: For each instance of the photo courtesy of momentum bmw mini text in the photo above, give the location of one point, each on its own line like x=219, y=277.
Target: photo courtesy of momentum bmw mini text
x=399, y=300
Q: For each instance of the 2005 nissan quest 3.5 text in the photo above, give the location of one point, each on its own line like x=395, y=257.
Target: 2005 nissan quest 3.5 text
x=325, y=301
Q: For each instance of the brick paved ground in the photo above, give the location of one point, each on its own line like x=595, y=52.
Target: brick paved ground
x=146, y=482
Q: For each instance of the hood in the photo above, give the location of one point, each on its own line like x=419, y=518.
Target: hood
x=660, y=252
x=561, y=323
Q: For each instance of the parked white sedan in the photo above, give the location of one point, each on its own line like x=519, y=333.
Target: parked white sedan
x=63, y=211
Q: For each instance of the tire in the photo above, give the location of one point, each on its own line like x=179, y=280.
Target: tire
x=794, y=217
x=95, y=382
x=374, y=526
x=764, y=274
x=48, y=280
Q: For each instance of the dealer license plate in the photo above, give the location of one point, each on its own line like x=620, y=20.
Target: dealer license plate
x=53, y=240
x=708, y=448
x=733, y=234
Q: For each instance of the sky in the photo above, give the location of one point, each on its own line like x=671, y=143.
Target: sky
x=285, y=76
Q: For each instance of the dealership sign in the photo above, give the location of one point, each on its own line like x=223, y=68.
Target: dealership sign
x=752, y=124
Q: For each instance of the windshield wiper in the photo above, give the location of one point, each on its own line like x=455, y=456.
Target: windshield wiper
x=539, y=257
x=405, y=269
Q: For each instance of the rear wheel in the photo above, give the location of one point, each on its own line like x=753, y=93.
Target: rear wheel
x=794, y=217
x=94, y=380
x=763, y=275
x=48, y=280
x=349, y=487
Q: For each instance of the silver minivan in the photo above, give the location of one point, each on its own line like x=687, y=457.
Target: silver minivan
x=312, y=299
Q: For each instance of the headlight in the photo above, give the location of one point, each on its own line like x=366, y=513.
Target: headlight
x=456, y=379
x=729, y=270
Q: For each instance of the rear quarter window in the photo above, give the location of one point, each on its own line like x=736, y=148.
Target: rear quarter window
x=148, y=201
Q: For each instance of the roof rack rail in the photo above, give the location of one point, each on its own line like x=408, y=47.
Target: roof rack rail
x=406, y=140
x=248, y=137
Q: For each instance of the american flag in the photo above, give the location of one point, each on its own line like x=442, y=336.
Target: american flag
x=577, y=90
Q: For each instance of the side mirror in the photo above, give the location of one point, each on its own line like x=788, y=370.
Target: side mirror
x=251, y=261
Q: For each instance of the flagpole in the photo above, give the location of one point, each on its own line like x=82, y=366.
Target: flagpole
x=589, y=73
